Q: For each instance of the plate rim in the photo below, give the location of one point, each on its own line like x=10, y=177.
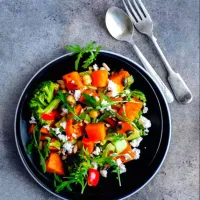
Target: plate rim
x=66, y=55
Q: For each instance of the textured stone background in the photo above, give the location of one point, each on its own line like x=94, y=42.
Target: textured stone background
x=33, y=33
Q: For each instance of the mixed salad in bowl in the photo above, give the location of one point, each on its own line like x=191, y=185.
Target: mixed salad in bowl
x=87, y=124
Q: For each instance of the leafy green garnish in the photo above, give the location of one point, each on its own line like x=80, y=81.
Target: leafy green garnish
x=36, y=133
x=137, y=94
x=90, y=100
x=62, y=97
x=30, y=147
x=88, y=49
x=46, y=148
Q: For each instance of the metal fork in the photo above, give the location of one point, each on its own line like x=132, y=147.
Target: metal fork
x=143, y=23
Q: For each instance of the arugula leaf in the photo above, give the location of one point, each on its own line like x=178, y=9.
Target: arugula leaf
x=90, y=100
x=106, y=98
x=46, y=148
x=117, y=171
x=104, y=116
x=137, y=94
x=85, y=116
x=30, y=147
x=36, y=133
x=62, y=97
x=89, y=48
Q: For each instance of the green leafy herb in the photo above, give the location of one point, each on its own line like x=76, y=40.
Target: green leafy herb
x=104, y=116
x=30, y=147
x=36, y=134
x=117, y=171
x=62, y=97
x=137, y=94
x=90, y=100
x=106, y=98
x=46, y=148
x=89, y=48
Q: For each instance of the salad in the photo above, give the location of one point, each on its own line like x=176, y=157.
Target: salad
x=87, y=124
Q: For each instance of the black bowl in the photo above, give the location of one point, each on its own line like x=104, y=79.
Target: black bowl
x=153, y=148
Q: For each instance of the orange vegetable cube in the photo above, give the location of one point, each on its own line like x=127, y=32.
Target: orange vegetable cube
x=100, y=78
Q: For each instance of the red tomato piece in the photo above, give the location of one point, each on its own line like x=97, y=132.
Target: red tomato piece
x=93, y=177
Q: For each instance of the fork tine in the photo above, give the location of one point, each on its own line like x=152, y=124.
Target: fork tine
x=133, y=11
x=138, y=9
x=129, y=13
x=143, y=8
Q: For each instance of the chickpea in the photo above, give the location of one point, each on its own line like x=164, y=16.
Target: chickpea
x=71, y=99
x=87, y=80
x=94, y=114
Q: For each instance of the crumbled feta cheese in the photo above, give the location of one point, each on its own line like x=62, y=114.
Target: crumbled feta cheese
x=94, y=165
x=97, y=151
x=62, y=137
x=95, y=67
x=47, y=127
x=122, y=168
x=72, y=81
x=137, y=153
x=68, y=146
x=57, y=130
x=105, y=103
x=33, y=120
x=102, y=68
x=65, y=110
x=63, y=124
x=74, y=135
x=77, y=94
x=127, y=156
x=146, y=130
x=119, y=162
x=145, y=122
x=145, y=110
x=136, y=142
x=86, y=122
x=104, y=173
x=112, y=87
x=70, y=92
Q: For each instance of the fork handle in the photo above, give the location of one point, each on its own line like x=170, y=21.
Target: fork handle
x=180, y=89
x=168, y=95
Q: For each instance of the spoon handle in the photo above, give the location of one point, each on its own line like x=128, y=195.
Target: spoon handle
x=168, y=95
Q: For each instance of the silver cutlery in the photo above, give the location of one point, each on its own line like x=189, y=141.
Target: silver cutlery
x=143, y=23
x=121, y=28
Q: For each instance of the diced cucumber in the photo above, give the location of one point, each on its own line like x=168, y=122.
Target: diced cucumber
x=108, y=148
x=134, y=135
x=120, y=145
x=130, y=80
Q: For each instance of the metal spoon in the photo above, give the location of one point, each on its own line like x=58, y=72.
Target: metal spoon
x=121, y=28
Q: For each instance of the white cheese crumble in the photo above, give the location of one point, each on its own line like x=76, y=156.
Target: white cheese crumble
x=104, y=173
x=47, y=127
x=136, y=142
x=33, y=120
x=77, y=94
x=119, y=162
x=57, y=130
x=95, y=67
x=65, y=110
x=67, y=147
x=63, y=124
x=62, y=137
x=97, y=151
x=145, y=110
x=94, y=165
x=122, y=168
x=137, y=153
x=72, y=81
x=145, y=122
x=113, y=88
x=105, y=103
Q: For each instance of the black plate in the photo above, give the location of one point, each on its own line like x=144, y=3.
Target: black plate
x=153, y=148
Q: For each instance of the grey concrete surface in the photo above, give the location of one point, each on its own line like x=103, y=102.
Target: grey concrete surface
x=33, y=33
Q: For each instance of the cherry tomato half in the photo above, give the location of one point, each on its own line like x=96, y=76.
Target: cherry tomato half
x=93, y=177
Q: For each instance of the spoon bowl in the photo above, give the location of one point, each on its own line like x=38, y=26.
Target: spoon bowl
x=119, y=24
